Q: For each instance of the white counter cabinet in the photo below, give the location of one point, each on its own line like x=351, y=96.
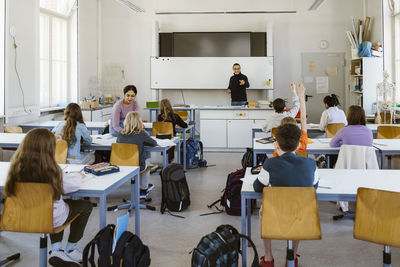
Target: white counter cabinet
x=229, y=129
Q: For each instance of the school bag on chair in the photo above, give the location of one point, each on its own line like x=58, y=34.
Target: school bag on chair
x=221, y=248
x=231, y=198
x=175, y=190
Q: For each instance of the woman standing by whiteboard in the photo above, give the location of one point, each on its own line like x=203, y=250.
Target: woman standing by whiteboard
x=121, y=108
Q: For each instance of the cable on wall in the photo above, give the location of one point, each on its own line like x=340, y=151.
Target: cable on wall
x=18, y=77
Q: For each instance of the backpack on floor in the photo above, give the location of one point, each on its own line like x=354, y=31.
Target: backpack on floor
x=104, y=242
x=231, y=198
x=130, y=252
x=221, y=248
x=247, y=159
x=175, y=190
x=194, y=154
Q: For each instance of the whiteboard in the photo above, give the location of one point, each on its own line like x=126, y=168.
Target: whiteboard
x=209, y=72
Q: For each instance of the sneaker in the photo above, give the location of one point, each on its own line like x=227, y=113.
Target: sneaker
x=74, y=255
x=149, y=188
x=143, y=193
x=296, y=261
x=60, y=259
x=264, y=263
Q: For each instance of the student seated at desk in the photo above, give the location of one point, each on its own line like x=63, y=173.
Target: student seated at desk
x=287, y=169
x=35, y=162
x=74, y=131
x=135, y=133
x=121, y=108
x=280, y=113
x=355, y=133
x=303, y=121
x=167, y=114
x=332, y=114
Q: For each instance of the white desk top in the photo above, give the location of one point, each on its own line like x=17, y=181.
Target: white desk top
x=11, y=138
x=314, y=126
x=387, y=144
x=52, y=124
x=318, y=144
x=345, y=182
x=90, y=183
x=149, y=125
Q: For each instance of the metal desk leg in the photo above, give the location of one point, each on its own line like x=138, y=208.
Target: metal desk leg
x=253, y=135
x=102, y=211
x=165, y=158
x=194, y=119
x=151, y=115
x=328, y=161
x=389, y=162
x=243, y=215
x=184, y=150
x=248, y=215
x=383, y=160
x=254, y=158
x=136, y=198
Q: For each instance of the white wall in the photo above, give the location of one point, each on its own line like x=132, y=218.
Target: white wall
x=373, y=9
x=24, y=16
x=126, y=37
x=88, y=47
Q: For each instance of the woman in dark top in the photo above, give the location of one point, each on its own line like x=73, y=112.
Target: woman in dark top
x=167, y=114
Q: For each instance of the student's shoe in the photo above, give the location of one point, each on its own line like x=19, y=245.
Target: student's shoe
x=264, y=263
x=296, y=261
x=74, y=255
x=143, y=193
x=321, y=162
x=60, y=259
x=149, y=188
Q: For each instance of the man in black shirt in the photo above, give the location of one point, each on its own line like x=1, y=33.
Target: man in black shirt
x=237, y=87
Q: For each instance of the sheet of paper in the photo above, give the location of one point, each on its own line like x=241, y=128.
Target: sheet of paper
x=312, y=66
x=331, y=71
x=122, y=226
x=308, y=79
x=322, y=84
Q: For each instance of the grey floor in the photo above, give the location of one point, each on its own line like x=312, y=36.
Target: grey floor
x=171, y=239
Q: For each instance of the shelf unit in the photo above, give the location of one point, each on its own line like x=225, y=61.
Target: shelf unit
x=365, y=74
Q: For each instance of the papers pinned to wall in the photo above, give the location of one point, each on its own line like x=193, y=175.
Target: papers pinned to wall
x=322, y=84
x=331, y=71
x=312, y=66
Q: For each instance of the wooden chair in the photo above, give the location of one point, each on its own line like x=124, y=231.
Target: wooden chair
x=388, y=132
x=273, y=131
x=290, y=213
x=31, y=211
x=12, y=129
x=162, y=127
x=386, y=118
x=332, y=129
x=61, y=151
x=182, y=113
x=302, y=154
x=127, y=155
x=378, y=219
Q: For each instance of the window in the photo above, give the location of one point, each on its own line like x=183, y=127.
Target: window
x=2, y=28
x=58, y=52
x=397, y=44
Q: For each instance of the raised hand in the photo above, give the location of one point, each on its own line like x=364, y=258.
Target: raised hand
x=302, y=89
x=293, y=87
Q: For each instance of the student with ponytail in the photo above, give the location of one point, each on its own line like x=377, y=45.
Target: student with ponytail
x=332, y=114
x=74, y=131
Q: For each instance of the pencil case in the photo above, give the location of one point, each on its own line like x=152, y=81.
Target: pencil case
x=102, y=168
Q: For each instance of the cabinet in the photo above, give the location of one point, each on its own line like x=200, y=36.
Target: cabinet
x=239, y=133
x=103, y=114
x=213, y=133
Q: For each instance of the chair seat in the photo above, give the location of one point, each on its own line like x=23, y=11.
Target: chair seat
x=62, y=227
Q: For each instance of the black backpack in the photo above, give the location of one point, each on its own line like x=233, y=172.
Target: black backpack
x=104, y=242
x=130, y=252
x=221, y=248
x=175, y=190
x=247, y=159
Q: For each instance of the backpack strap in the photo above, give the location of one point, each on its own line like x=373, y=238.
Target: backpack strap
x=201, y=150
x=212, y=205
x=255, y=260
x=85, y=255
x=178, y=216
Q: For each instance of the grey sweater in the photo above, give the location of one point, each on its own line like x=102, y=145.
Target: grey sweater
x=141, y=139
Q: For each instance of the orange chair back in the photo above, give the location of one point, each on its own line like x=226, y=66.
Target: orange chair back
x=124, y=154
x=162, y=127
x=388, y=132
x=332, y=129
x=61, y=151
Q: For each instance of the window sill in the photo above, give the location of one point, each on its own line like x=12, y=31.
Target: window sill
x=51, y=109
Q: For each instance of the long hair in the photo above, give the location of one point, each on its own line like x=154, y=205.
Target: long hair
x=34, y=161
x=166, y=110
x=356, y=116
x=72, y=116
x=133, y=123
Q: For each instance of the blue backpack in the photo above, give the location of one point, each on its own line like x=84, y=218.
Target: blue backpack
x=194, y=154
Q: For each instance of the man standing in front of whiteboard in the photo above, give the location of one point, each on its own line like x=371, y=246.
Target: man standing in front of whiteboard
x=237, y=87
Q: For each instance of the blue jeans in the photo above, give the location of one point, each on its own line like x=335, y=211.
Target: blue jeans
x=239, y=103
x=113, y=132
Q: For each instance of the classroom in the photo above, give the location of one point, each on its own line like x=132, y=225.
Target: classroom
x=181, y=133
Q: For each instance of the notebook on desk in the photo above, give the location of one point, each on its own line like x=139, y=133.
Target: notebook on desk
x=266, y=140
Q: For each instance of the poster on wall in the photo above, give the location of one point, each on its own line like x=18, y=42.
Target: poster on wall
x=322, y=84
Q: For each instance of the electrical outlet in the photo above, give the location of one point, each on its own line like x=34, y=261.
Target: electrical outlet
x=13, y=31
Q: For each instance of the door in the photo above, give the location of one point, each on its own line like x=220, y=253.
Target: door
x=213, y=133
x=315, y=65
x=239, y=133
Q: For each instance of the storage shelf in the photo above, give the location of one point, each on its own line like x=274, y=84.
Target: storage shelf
x=360, y=76
x=357, y=92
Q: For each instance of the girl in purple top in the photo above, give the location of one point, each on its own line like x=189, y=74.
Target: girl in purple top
x=355, y=133
x=123, y=107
